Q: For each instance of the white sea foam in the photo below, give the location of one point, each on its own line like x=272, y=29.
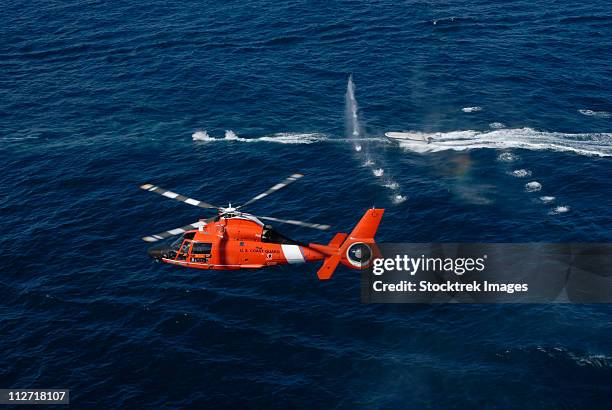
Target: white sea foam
x=497, y=125
x=392, y=185
x=471, y=109
x=521, y=173
x=597, y=114
x=292, y=138
x=231, y=135
x=201, y=136
x=547, y=199
x=378, y=172
x=368, y=163
x=507, y=157
x=398, y=199
x=590, y=144
x=533, y=186
x=279, y=138
x=560, y=210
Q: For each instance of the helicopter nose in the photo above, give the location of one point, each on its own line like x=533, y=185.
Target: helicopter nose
x=159, y=252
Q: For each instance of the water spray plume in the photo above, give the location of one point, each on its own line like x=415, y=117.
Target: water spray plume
x=354, y=133
x=351, y=110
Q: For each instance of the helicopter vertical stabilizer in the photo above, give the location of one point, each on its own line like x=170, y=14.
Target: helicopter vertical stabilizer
x=368, y=225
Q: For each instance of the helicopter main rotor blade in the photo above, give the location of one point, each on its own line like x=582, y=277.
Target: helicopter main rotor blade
x=273, y=189
x=178, y=197
x=173, y=232
x=321, y=227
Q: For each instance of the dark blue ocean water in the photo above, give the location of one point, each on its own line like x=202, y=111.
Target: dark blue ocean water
x=97, y=98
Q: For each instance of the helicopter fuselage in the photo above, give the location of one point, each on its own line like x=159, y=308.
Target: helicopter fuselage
x=235, y=243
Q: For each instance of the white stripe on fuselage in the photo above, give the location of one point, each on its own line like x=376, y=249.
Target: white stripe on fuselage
x=293, y=254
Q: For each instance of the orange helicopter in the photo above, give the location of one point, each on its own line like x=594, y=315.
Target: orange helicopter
x=234, y=239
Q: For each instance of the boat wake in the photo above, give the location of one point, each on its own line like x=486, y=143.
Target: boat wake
x=590, y=144
x=279, y=138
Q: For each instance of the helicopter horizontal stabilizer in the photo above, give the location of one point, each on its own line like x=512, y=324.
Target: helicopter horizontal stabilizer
x=329, y=266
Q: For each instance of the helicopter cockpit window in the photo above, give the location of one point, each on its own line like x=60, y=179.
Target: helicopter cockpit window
x=269, y=235
x=201, y=248
x=176, y=244
x=179, y=241
x=184, y=250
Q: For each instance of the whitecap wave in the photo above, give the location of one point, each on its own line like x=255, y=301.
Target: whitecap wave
x=471, y=109
x=533, y=186
x=597, y=114
x=378, y=172
x=590, y=144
